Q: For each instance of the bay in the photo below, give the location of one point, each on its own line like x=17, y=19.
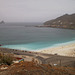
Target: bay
x=26, y=36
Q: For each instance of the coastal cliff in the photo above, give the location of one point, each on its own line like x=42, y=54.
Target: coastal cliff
x=66, y=21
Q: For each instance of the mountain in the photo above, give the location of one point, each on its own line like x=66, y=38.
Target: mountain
x=65, y=21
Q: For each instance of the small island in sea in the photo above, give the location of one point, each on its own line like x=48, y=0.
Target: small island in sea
x=2, y=22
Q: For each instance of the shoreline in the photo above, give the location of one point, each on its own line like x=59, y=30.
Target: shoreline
x=42, y=58
x=48, y=26
x=63, y=50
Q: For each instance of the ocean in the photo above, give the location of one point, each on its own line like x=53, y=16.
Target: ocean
x=25, y=36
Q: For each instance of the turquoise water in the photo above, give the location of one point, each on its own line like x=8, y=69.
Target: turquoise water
x=25, y=36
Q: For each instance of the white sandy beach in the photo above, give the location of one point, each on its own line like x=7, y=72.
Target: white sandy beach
x=65, y=50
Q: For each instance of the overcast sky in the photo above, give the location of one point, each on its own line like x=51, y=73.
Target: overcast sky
x=34, y=10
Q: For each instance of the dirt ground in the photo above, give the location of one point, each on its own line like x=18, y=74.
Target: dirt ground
x=31, y=68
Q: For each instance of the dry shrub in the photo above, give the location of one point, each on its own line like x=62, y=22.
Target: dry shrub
x=6, y=59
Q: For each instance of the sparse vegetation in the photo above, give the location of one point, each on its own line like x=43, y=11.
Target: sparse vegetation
x=6, y=59
x=33, y=67
x=30, y=68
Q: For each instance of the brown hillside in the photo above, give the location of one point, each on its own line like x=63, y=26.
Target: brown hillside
x=65, y=21
x=30, y=68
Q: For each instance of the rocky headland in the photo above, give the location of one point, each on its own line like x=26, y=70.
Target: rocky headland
x=66, y=21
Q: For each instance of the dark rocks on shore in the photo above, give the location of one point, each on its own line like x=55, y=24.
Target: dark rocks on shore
x=0, y=45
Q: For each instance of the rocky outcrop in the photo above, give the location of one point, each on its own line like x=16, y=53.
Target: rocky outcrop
x=2, y=22
x=65, y=21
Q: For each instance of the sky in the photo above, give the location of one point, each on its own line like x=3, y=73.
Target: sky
x=34, y=10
